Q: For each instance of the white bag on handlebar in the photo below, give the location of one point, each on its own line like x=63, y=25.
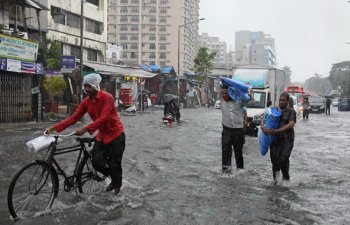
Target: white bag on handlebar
x=40, y=143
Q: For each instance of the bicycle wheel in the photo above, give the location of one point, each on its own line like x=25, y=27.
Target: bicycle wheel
x=88, y=179
x=31, y=190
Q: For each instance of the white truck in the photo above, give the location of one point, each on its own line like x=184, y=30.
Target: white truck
x=267, y=83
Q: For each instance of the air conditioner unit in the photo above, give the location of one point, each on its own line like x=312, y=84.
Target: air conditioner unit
x=57, y=11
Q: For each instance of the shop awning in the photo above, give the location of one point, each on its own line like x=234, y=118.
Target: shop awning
x=35, y=5
x=109, y=69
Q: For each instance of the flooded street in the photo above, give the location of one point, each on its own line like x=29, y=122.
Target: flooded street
x=172, y=175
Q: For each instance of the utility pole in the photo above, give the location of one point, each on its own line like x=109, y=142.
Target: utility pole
x=81, y=48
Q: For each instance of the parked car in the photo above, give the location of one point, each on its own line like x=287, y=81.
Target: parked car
x=335, y=102
x=344, y=104
x=217, y=104
x=317, y=104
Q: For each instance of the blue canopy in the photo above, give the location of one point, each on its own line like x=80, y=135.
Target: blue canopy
x=168, y=70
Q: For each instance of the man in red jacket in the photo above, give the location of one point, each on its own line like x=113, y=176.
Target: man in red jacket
x=110, y=140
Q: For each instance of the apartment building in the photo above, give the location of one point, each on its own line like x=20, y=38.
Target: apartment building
x=255, y=48
x=148, y=31
x=214, y=45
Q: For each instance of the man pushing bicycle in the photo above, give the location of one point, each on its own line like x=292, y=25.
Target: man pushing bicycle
x=110, y=140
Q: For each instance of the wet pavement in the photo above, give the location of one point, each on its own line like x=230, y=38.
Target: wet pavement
x=172, y=175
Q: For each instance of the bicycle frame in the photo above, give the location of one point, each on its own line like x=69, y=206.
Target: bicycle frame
x=70, y=181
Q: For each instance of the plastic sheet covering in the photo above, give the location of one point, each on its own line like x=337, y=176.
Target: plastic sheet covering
x=40, y=143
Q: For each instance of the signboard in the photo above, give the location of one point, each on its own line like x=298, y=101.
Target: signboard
x=13, y=65
x=68, y=63
x=28, y=67
x=39, y=68
x=3, y=64
x=35, y=90
x=18, y=48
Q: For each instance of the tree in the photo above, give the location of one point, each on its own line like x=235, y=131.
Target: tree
x=318, y=85
x=55, y=86
x=203, y=66
x=340, y=76
x=50, y=54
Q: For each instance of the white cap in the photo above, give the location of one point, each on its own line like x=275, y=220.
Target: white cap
x=92, y=79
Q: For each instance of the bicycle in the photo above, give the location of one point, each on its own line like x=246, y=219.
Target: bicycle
x=34, y=187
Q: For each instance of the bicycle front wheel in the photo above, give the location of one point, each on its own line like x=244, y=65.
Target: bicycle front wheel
x=89, y=180
x=32, y=190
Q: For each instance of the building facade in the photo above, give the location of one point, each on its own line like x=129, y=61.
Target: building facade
x=148, y=31
x=215, y=45
x=255, y=48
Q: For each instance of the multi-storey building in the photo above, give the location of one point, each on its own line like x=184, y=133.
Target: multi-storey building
x=148, y=31
x=255, y=48
x=215, y=45
x=63, y=24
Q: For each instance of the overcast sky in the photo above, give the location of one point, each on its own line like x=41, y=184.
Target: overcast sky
x=309, y=35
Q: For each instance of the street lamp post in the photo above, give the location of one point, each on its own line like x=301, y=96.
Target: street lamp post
x=178, y=56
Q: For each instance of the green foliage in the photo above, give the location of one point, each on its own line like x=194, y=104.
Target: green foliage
x=52, y=54
x=55, y=86
x=203, y=62
x=340, y=75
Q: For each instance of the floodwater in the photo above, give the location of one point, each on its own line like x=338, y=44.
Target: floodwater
x=172, y=175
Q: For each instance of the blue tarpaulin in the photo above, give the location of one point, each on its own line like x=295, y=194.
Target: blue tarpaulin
x=168, y=70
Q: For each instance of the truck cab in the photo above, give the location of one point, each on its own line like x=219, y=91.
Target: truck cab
x=266, y=84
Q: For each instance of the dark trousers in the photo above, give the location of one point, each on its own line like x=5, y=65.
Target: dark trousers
x=232, y=137
x=107, y=159
x=279, y=154
x=328, y=110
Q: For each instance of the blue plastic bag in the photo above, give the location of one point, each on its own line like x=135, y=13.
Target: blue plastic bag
x=272, y=117
x=234, y=83
x=237, y=94
x=264, y=142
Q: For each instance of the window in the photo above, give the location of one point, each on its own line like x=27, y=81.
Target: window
x=152, y=27
x=123, y=37
x=152, y=55
x=134, y=18
x=93, y=26
x=124, y=45
x=123, y=18
x=162, y=37
x=162, y=28
x=73, y=20
x=164, y=1
x=58, y=15
x=133, y=55
x=163, y=10
x=91, y=55
x=162, y=55
x=134, y=27
x=152, y=37
x=152, y=46
x=123, y=27
x=124, y=9
x=135, y=2
x=153, y=9
x=134, y=9
x=134, y=46
x=134, y=37
x=125, y=55
x=94, y=2
x=162, y=19
x=162, y=46
x=162, y=64
x=152, y=19
x=75, y=50
x=123, y=1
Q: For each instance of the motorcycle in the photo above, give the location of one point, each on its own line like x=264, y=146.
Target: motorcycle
x=168, y=119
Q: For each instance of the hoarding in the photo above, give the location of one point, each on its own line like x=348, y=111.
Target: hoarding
x=18, y=48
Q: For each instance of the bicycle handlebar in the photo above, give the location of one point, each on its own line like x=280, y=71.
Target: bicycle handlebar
x=58, y=135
